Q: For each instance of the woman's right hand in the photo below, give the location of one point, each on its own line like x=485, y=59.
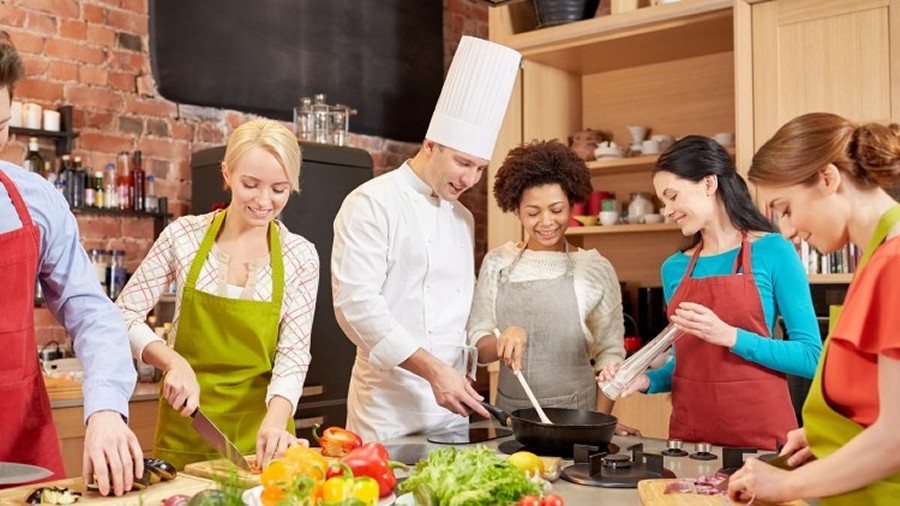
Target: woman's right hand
x=511, y=346
x=180, y=388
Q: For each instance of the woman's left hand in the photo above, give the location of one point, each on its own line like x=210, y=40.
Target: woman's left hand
x=702, y=322
x=761, y=482
x=271, y=443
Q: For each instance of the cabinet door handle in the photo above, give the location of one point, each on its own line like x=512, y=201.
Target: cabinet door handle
x=313, y=390
x=307, y=423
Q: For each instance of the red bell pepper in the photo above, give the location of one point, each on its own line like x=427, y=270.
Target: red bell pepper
x=336, y=442
x=372, y=460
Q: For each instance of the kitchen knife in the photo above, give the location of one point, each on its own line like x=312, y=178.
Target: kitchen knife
x=12, y=473
x=212, y=435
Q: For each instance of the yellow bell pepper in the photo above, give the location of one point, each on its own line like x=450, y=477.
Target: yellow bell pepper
x=343, y=490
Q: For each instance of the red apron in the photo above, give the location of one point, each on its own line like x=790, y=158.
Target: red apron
x=717, y=396
x=27, y=433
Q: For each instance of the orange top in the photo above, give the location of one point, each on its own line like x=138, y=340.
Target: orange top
x=868, y=326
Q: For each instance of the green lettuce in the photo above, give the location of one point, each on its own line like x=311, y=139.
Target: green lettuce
x=469, y=477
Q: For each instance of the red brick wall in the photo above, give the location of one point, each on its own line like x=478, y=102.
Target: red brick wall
x=93, y=55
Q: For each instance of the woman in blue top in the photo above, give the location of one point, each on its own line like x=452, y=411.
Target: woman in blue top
x=725, y=290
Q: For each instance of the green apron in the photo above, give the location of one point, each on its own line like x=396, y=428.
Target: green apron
x=828, y=430
x=230, y=343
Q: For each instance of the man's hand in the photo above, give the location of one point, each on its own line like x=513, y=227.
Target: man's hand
x=111, y=453
x=453, y=391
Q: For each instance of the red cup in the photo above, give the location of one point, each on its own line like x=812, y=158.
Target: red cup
x=578, y=209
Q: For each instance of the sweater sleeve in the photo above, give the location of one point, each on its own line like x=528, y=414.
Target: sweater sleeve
x=482, y=317
x=799, y=353
x=604, y=320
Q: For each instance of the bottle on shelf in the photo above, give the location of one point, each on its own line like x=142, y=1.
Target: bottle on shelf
x=77, y=183
x=34, y=162
x=321, y=119
x=123, y=181
x=99, y=191
x=66, y=179
x=49, y=173
x=90, y=192
x=137, y=183
x=115, y=273
x=151, y=204
x=303, y=120
x=100, y=263
x=112, y=194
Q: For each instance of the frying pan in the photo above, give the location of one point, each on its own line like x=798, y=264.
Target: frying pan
x=569, y=427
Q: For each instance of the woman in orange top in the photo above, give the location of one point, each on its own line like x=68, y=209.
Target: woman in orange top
x=822, y=176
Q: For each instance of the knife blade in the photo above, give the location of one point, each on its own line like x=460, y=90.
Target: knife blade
x=212, y=435
x=781, y=462
x=12, y=473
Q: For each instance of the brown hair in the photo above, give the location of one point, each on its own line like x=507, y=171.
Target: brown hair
x=11, y=68
x=538, y=163
x=869, y=153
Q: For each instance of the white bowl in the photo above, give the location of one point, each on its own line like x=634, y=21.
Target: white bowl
x=653, y=218
x=608, y=218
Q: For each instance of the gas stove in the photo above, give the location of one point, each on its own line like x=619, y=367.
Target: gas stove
x=600, y=469
x=513, y=446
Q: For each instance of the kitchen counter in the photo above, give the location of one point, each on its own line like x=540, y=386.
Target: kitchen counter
x=67, y=393
x=580, y=495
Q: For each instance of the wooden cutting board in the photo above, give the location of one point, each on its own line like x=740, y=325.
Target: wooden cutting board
x=221, y=470
x=151, y=496
x=61, y=388
x=651, y=494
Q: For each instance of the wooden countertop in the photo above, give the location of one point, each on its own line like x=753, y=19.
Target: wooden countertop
x=66, y=392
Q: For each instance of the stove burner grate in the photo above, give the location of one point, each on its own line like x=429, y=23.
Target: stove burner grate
x=513, y=446
x=614, y=471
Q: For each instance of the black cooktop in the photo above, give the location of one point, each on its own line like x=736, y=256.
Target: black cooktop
x=513, y=446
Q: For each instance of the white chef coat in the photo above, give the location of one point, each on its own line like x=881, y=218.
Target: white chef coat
x=402, y=275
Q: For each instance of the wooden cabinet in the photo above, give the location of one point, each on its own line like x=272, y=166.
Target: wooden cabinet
x=668, y=67
x=799, y=56
x=70, y=430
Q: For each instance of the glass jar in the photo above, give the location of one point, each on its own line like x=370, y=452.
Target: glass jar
x=100, y=263
x=640, y=204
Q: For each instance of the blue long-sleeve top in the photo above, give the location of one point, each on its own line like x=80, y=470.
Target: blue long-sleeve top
x=783, y=289
x=73, y=292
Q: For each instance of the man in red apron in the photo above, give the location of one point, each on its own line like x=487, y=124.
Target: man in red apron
x=39, y=240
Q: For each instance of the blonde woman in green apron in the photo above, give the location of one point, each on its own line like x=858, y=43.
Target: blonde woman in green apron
x=558, y=308
x=822, y=176
x=246, y=292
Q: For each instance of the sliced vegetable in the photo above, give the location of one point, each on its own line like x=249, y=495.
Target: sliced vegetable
x=165, y=470
x=53, y=495
x=336, y=441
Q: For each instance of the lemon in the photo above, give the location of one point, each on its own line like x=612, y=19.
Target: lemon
x=527, y=463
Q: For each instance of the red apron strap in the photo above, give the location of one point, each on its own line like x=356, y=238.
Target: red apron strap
x=16, y=198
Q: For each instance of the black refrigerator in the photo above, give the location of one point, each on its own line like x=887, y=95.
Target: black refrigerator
x=327, y=175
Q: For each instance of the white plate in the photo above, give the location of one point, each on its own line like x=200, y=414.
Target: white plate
x=251, y=497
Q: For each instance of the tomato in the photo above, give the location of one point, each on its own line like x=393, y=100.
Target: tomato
x=552, y=500
x=530, y=500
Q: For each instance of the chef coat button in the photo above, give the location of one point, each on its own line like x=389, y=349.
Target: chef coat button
x=428, y=286
x=430, y=331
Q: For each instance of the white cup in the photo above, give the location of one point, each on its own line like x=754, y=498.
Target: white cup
x=650, y=147
x=653, y=218
x=51, y=120
x=15, y=113
x=31, y=116
x=638, y=133
x=665, y=141
x=725, y=138
x=608, y=218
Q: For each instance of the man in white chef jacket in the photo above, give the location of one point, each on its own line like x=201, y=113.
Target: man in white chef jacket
x=402, y=265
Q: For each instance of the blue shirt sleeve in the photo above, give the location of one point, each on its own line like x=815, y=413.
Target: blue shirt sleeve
x=784, y=290
x=74, y=296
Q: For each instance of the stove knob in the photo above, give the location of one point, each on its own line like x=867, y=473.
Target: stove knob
x=674, y=448
x=703, y=451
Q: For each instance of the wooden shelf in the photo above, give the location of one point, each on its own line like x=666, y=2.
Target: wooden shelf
x=64, y=138
x=624, y=229
x=643, y=163
x=818, y=279
x=662, y=32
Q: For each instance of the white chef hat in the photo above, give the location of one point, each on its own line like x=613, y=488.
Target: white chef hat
x=474, y=98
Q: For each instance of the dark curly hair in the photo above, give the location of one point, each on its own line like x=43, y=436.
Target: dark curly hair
x=538, y=163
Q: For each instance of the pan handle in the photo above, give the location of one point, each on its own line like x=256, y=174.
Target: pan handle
x=501, y=416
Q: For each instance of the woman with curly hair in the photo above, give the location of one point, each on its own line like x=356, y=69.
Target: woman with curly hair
x=558, y=307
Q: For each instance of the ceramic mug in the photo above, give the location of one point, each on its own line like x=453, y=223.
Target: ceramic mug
x=665, y=141
x=31, y=116
x=650, y=147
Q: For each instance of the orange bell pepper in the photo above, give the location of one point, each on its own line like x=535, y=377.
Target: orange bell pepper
x=336, y=441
